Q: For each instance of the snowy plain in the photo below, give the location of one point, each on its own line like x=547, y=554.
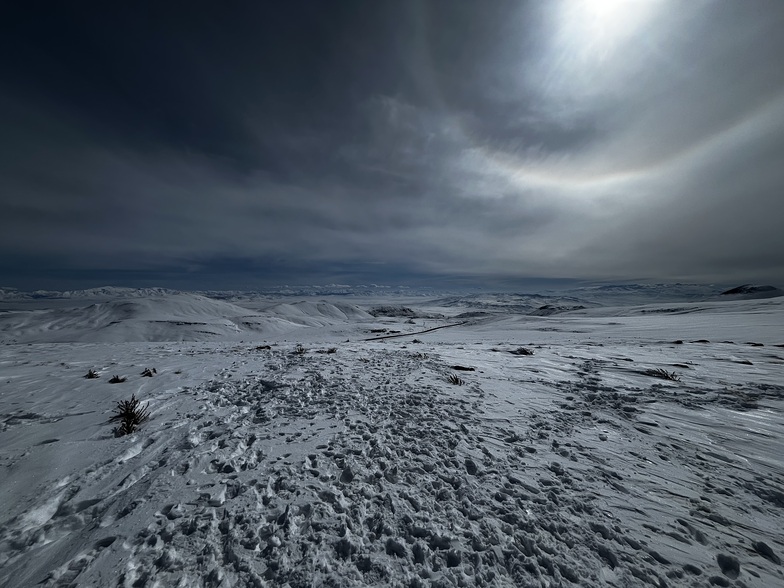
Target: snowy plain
x=460, y=442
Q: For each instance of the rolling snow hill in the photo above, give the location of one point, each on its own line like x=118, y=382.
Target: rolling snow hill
x=170, y=317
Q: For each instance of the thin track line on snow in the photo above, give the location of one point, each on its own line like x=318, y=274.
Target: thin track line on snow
x=414, y=333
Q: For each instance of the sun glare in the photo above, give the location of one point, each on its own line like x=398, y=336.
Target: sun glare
x=597, y=28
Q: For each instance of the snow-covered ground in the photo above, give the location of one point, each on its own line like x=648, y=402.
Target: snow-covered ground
x=287, y=449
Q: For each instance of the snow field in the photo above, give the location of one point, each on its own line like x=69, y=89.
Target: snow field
x=266, y=467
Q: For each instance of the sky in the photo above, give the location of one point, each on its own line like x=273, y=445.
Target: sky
x=242, y=144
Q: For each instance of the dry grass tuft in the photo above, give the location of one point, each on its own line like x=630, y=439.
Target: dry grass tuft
x=455, y=380
x=663, y=374
x=130, y=414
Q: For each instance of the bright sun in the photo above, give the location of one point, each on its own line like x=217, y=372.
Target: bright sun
x=596, y=28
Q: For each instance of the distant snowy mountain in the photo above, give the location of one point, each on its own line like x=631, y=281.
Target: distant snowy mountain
x=362, y=290
x=105, y=292
x=606, y=295
x=111, y=292
x=625, y=294
x=400, y=311
x=551, y=309
x=751, y=291
x=536, y=304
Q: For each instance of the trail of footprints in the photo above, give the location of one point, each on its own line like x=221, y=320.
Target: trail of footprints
x=405, y=490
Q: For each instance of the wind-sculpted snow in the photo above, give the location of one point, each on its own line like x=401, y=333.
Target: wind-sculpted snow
x=358, y=463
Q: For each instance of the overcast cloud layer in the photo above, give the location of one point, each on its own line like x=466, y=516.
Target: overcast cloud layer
x=379, y=141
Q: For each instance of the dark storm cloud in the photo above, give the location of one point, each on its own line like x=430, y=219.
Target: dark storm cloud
x=552, y=139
